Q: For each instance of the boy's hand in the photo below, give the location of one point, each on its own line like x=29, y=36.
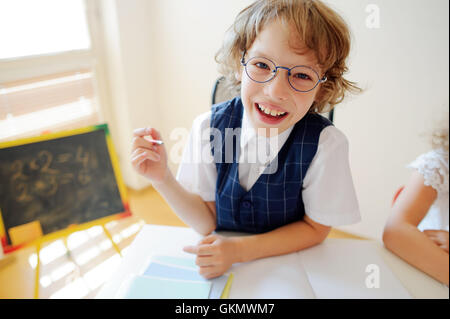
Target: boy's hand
x=215, y=255
x=440, y=237
x=149, y=159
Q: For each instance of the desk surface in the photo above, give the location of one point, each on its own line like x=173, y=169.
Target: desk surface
x=398, y=279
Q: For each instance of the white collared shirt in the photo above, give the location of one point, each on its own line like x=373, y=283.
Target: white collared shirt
x=251, y=165
x=328, y=192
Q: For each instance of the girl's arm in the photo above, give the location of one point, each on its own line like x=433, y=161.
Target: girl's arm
x=402, y=237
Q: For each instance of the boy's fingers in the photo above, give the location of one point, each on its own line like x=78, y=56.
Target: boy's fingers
x=203, y=261
x=141, y=132
x=141, y=152
x=190, y=249
x=213, y=275
x=136, y=152
x=137, y=158
x=209, y=272
x=200, y=250
x=204, y=250
x=141, y=160
x=207, y=240
x=154, y=134
x=206, y=271
x=140, y=142
x=147, y=131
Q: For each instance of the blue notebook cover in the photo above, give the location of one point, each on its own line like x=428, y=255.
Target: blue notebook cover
x=144, y=287
x=186, y=269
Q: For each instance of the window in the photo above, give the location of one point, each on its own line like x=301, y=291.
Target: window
x=47, y=70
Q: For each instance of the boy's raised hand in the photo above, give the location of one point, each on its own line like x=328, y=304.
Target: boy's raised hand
x=149, y=159
x=215, y=255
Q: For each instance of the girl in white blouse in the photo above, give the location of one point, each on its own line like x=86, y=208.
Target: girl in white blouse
x=418, y=229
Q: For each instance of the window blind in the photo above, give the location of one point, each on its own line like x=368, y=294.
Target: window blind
x=47, y=103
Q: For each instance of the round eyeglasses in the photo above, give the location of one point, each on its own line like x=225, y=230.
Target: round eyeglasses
x=302, y=78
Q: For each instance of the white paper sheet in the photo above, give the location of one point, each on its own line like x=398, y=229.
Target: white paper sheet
x=274, y=277
x=345, y=268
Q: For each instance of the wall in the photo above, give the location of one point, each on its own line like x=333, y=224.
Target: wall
x=161, y=55
x=127, y=50
x=403, y=67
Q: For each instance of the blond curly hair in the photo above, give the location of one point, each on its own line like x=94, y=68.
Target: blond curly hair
x=319, y=27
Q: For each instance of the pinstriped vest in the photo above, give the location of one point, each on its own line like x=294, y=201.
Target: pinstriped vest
x=276, y=197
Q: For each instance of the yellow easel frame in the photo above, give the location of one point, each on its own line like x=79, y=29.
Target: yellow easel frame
x=66, y=233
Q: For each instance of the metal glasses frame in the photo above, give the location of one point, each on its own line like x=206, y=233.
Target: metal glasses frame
x=275, y=71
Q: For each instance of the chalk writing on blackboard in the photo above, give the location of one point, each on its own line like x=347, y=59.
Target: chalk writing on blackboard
x=62, y=181
x=49, y=178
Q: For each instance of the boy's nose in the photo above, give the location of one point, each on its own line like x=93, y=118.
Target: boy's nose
x=278, y=87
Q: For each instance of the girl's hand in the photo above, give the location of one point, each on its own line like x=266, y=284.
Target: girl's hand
x=149, y=159
x=440, y=237
x=215, y=255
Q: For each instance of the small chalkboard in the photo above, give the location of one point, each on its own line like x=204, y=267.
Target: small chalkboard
x=59, y=179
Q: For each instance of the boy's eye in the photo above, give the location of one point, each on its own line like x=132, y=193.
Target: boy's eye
x=302, y=76
x=262, y=65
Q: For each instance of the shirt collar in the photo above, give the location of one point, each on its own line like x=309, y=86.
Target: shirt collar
x=248, y=134
x=247, y=131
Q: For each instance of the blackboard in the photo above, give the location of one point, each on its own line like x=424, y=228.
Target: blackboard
x=59, y=181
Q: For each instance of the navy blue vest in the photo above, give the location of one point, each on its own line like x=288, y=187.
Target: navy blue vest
x=276, y=198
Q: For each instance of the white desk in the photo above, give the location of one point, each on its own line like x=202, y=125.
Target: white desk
x=305, y=274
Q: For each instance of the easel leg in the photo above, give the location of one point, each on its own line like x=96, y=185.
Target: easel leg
x=112, y=241
x=36, y=282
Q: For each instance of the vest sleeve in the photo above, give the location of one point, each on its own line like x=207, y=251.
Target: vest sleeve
x=197, y=171
x=328, y=192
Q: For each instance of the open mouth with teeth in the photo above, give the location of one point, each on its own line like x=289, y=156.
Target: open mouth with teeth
x=269, y=115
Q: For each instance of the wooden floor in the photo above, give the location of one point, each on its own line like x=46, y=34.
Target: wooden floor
x=148, y=205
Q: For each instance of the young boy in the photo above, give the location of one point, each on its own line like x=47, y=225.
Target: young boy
x=287, y=59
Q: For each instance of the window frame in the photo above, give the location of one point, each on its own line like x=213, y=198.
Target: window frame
x=22, y=69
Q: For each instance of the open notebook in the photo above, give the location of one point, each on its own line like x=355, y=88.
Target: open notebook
x=333, y=269
x=167, y=277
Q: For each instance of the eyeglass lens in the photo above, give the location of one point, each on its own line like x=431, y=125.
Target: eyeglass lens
x=262, y=70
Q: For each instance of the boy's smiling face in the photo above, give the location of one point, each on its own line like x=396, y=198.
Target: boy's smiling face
x=275, y=43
